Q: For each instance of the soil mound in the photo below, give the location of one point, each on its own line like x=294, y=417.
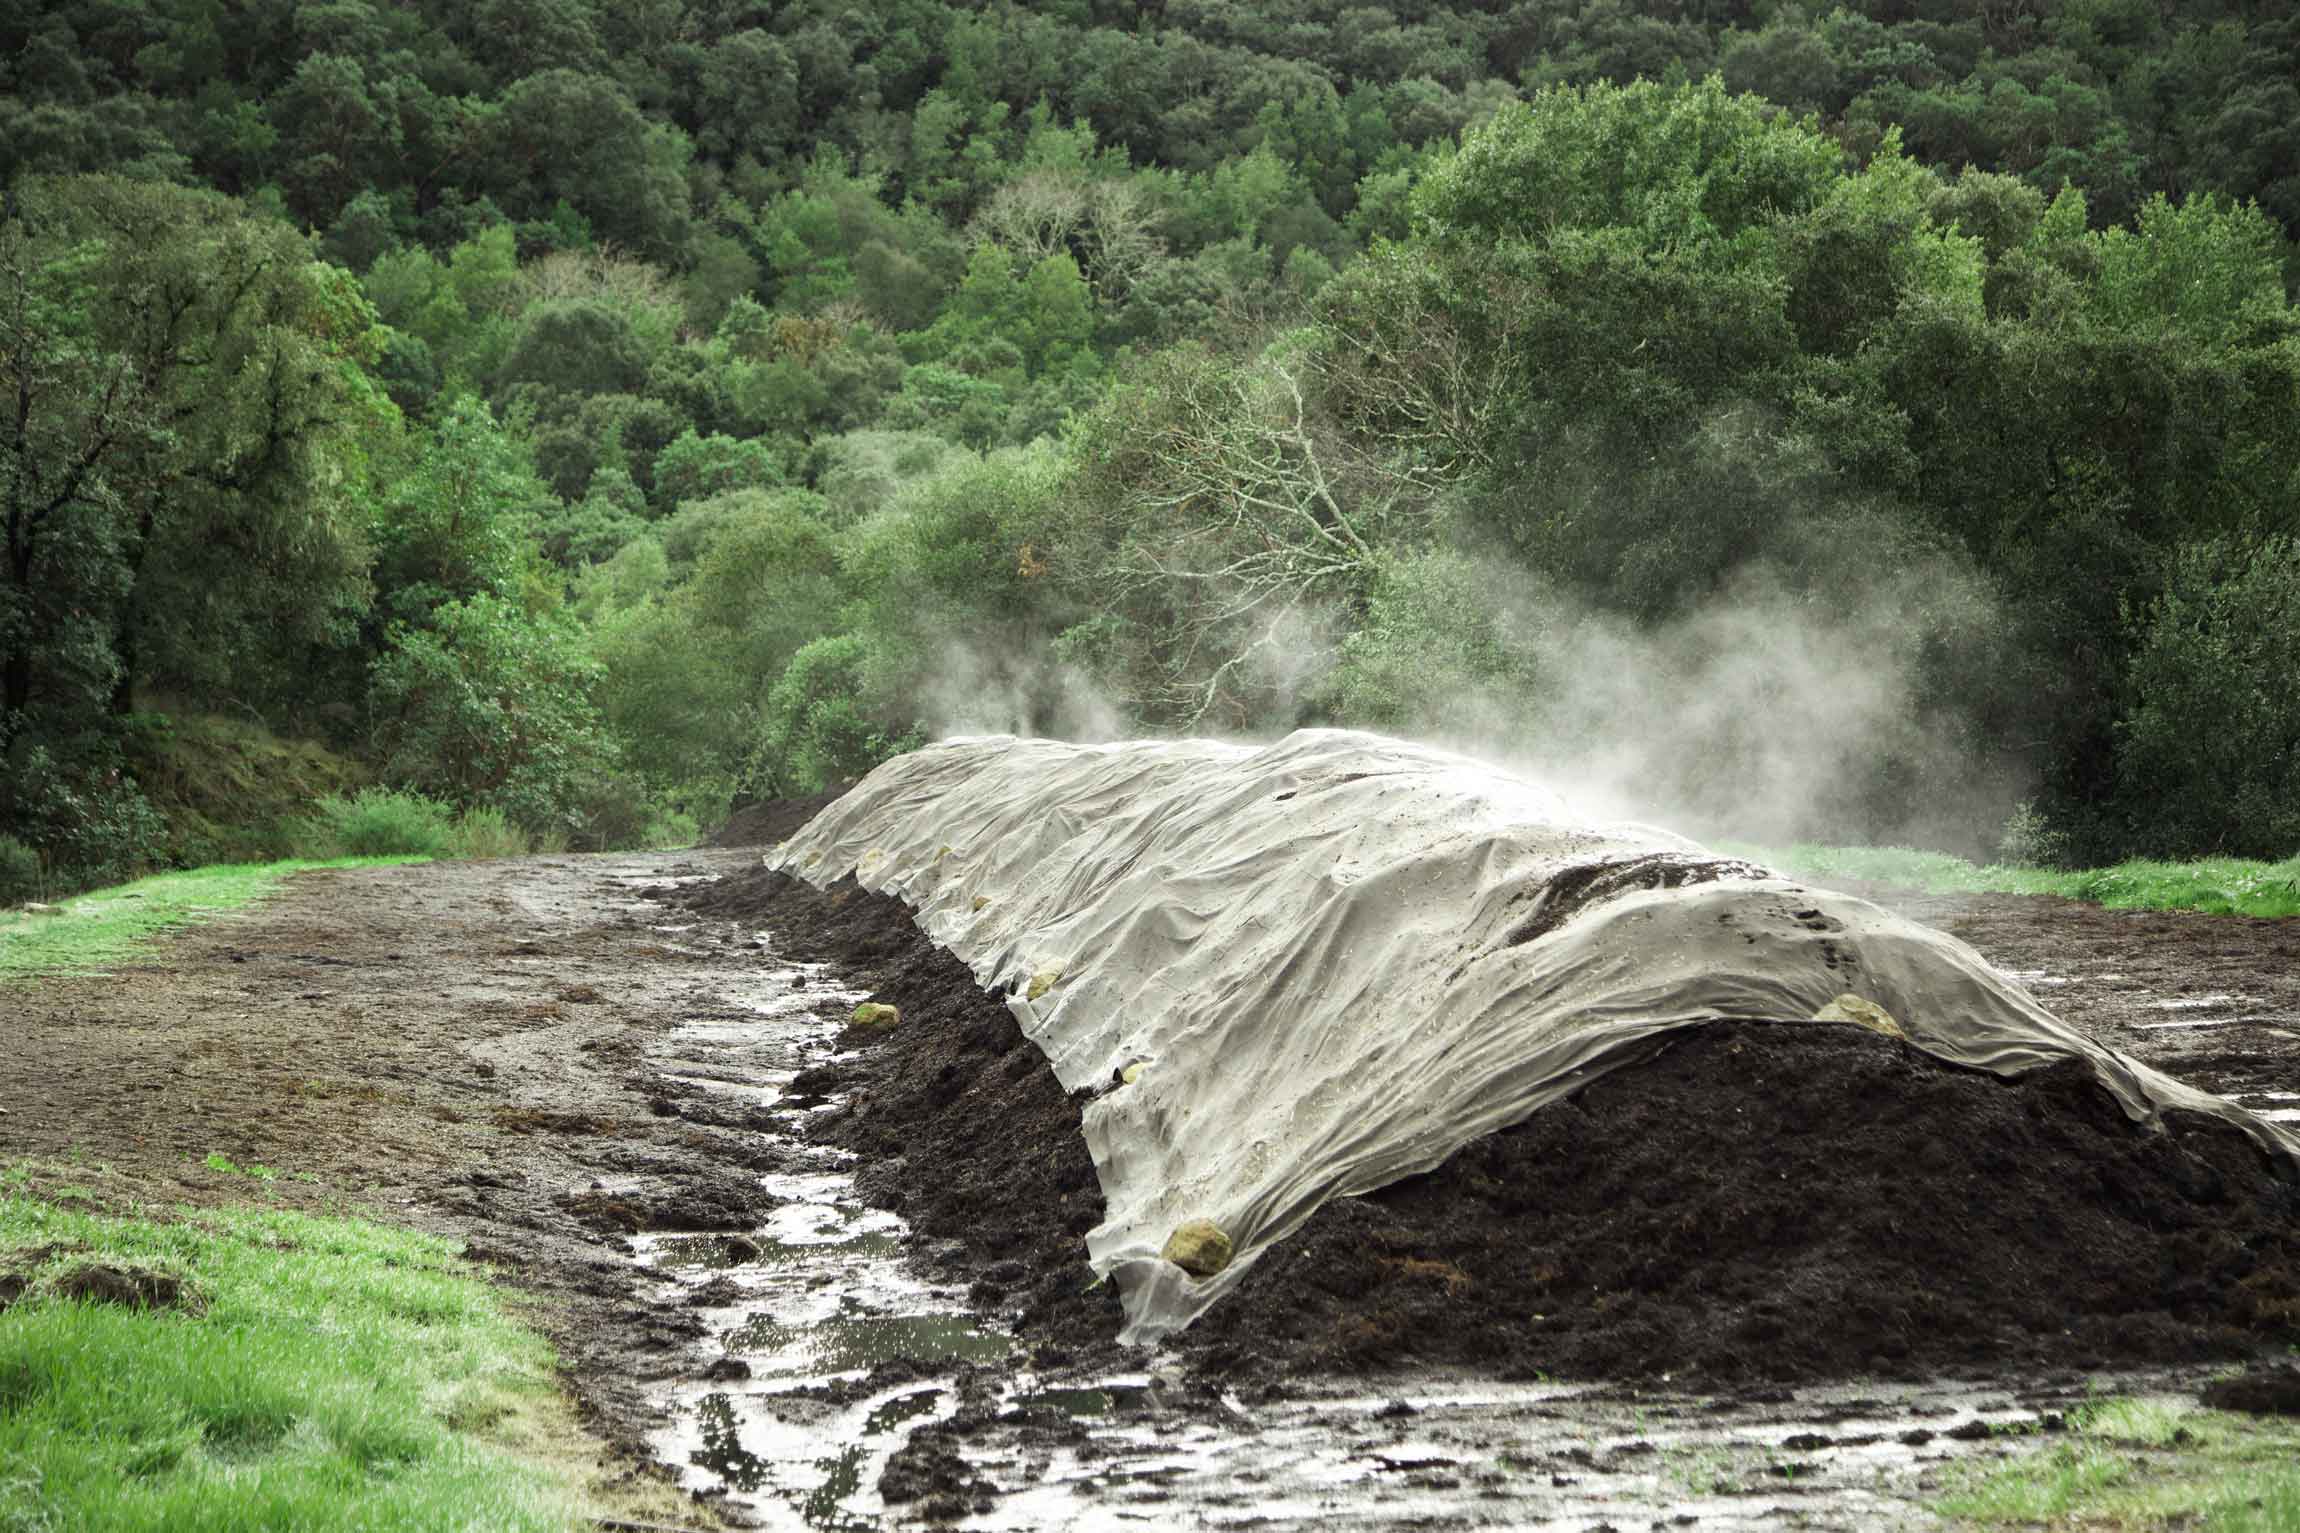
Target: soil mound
x=129, y=1287
x=1758, y=1202
x=763, y=824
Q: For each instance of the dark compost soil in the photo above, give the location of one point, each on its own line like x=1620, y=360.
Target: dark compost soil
x=763, y=824
x=1759, y=1202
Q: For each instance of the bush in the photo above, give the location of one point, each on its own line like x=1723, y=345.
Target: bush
x=377, y=822
x=486, y=832
x=490, y=705
x=2208, y=751
x=667, y=828
x=87, y=817
x=2032, y=840
x=813, y=731
x=20, y=873
x=1442, y=646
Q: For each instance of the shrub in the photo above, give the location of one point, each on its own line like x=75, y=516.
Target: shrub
x=90, y=821
x=20, y=876
x=813, y=730
x=2032, y=840
x=490, y=705
x=377, y=822
x=667, y=828
x=2208, y=751
x=486, y=832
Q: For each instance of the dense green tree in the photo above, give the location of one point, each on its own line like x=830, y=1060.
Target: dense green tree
x=461, y=520
x=2208, y=754
x=775, y=347
x=489, y=704
x=176, y=377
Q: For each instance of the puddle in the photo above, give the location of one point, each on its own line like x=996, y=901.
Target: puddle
x=1441, y=1453
x=2033, y=978
x=802, y=1308
x=827, y=1351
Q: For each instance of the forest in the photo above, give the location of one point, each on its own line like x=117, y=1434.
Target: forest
x=1870, y=420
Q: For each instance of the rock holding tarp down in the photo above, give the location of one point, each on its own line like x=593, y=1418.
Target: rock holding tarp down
x=1343, y=957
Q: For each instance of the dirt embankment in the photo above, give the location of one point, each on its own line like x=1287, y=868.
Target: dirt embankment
x=1760, y=1202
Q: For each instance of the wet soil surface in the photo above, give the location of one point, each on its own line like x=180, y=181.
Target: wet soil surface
x=1760, y=1202
x=2213, y=1000
x=777, y=1262
x=458, y=1047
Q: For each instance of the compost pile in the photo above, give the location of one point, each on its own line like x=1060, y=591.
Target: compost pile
x=769, y=821
x=1733, y=1193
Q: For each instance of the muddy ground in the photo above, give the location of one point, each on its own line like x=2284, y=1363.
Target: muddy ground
x=518, y=1055
x=459, y=1047
x=1758, y=1203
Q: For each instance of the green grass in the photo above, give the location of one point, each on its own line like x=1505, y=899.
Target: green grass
x=336, y=1375
x=2134, y=1464
x=106, y=926
x=2215, y=885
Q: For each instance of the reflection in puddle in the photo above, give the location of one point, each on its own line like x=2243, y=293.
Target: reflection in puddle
x=1102, y=1400
x=722, y=1450
x=838, y=1346
x=836, y=1352
x=900, y=1409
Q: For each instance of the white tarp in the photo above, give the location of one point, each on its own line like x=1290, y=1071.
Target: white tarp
x=1341, y=957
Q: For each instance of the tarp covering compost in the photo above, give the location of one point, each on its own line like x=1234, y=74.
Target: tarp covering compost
x=1305, y=970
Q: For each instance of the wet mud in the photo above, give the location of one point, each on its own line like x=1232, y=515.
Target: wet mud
x=807, y=1276
x=1760, y=1202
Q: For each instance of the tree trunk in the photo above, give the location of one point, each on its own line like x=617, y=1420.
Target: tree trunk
x=124, y=687
x=15, y=689
x=124, y=630
x=16, y=669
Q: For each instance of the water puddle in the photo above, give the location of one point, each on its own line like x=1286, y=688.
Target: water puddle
x=1440, y=1453
x=826, y=1351
x=2045, y=978
x=824, y=1346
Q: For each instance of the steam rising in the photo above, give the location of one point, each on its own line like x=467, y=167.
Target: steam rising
x=1769, y=714
x=1819, y=693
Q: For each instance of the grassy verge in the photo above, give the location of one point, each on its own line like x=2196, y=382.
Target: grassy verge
x=106, y=926
x=285, y=1371
x=2135, y=1464
x=2215, y=885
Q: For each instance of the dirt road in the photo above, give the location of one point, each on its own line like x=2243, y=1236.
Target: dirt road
x=593, y=1092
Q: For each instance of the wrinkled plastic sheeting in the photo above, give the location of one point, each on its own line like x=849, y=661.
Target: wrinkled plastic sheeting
x=1341, y=957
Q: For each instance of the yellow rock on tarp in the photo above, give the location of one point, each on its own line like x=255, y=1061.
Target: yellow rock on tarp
x=1198, y=1247
x=1132, y=1073
x=875, y=1014
x=1043, y=981
x=1854, y=1008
